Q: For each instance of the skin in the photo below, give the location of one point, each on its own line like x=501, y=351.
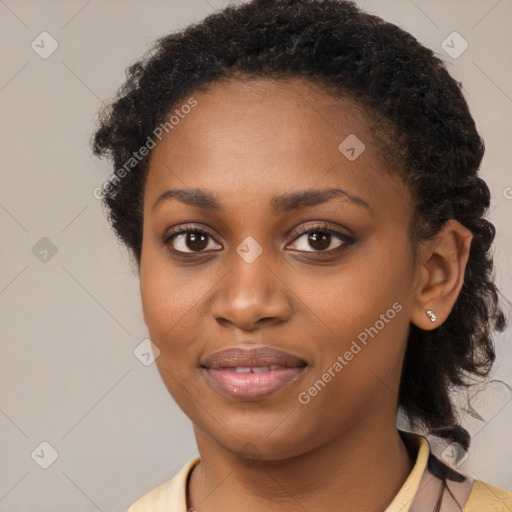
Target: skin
x=245, y=142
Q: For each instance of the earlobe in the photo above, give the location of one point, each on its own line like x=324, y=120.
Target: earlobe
x=441, y=274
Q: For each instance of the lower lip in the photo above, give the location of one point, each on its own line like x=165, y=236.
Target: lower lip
x=252, y=386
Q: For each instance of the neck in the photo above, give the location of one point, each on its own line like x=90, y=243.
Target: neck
x=360, y=470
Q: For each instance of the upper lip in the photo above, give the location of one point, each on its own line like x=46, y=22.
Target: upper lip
x=254, y=357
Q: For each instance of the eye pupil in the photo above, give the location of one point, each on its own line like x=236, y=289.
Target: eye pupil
x=196, y=241
x=324, y=240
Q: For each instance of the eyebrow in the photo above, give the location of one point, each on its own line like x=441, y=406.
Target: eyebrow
x=279, y=204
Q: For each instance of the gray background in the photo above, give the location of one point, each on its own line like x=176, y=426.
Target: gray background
x=70, y=321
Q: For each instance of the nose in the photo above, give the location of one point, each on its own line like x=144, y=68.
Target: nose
x=251, y=294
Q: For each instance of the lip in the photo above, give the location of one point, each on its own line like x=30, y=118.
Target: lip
x=251, y=374
x=255, y=356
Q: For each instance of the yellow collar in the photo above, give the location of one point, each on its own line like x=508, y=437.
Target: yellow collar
x=407, y=492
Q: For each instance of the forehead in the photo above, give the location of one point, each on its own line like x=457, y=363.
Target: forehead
x=284, y=132
x=285, y=117
x=268, y=102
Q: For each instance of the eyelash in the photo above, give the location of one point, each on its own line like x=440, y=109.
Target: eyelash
x=318, y=228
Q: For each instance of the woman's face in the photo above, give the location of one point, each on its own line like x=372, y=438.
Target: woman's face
x=284, y=261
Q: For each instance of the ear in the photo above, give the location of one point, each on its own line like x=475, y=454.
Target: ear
x=440, y=274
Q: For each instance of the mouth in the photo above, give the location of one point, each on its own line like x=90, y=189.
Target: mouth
x=252, y=374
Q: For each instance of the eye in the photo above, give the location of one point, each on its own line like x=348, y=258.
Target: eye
x=321, y=238
x=189, y=239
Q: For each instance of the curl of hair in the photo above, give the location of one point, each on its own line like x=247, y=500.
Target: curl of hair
x=419, y=118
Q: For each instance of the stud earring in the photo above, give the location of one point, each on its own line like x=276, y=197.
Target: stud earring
x=431, y=315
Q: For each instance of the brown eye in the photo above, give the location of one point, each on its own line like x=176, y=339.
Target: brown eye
x=196, y=241
x=189, y=241
x=321, y=239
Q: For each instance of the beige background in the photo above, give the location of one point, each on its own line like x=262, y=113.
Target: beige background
x=69, y=325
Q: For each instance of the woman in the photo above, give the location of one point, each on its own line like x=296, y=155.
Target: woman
x=297, y=181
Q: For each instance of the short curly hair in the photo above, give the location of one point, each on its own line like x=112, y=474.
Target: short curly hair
x=419, y=116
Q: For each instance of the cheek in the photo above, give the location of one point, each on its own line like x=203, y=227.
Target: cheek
x=169, y=306
x=363, y=307
x=352, y=296
x=168, y=300
x=358, y=368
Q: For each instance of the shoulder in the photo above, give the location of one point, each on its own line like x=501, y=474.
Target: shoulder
x=170, y=495
x=488, y=498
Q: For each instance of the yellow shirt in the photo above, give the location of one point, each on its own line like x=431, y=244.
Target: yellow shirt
x=418, y=492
